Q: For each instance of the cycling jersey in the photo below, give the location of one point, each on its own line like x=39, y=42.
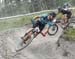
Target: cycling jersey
x=43, y=20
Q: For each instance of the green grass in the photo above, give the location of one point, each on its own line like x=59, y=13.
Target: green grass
x=16, y=22
x=70, y=33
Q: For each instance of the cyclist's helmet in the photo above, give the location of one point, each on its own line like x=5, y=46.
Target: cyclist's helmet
x=59, y=8
x=66, y=5
x=52, y=14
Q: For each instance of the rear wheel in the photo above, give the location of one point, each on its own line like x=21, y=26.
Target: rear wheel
x=53, y=30
x=25, y=44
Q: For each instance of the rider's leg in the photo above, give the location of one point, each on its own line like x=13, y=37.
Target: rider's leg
x=28, y=36
x=29, y=30
x=65, y=19
x=36, y=31
x=35, y=24
x=38, y=28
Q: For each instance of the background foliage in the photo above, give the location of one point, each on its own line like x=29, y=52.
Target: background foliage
x=16, y=7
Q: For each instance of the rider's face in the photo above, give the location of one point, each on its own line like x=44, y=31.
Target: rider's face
x=50, y=17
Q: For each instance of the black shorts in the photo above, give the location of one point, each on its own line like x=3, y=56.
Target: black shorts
x=39, y=24
x=68, y=13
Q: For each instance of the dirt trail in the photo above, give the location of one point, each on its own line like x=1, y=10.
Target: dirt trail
x=40, y=48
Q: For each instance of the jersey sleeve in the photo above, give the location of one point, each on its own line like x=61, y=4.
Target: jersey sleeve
x=50, y=23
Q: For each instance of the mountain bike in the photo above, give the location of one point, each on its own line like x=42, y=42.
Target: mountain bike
x=31, y=34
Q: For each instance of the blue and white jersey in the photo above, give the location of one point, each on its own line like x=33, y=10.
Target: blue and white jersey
x=44, y=20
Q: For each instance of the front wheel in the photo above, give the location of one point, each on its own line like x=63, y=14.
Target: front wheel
x=53, y=30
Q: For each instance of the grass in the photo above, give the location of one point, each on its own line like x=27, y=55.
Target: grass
x=70, y=33
x=16, y=22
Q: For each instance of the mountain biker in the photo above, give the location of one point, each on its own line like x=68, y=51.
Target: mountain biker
x=66, y=12
x=42, y=22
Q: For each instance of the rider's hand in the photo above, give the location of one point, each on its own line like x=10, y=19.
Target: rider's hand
x=43, y=34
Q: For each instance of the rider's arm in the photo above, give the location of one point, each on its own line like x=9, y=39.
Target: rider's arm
x=45, y=30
